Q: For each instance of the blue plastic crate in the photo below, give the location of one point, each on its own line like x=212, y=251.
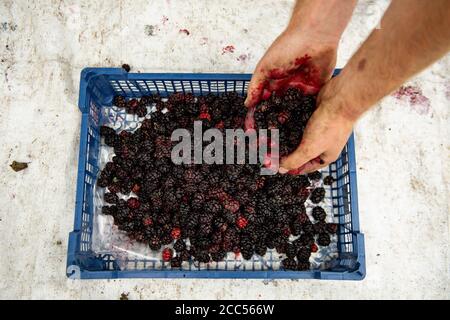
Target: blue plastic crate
x=97, y=89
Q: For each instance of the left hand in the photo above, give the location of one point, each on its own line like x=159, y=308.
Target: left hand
x=299, y=59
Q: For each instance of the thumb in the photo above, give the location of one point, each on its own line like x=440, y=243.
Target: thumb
x=300, y=157
x=255, y=89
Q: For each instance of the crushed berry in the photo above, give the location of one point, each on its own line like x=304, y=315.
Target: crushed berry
x=241, y=222
x=133, y=203
x=175, y=233
x=167, y=254
x=147, y=221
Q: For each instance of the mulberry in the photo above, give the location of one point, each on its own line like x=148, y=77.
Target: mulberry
x=316, y=175
x=260, y=249
x=331, y=228
x=317, y=195
x=289, y=264
x=155, y=243
x=304, y=266
x=111, y=198
x=218, y=208
x=179, y=245
x=323, y=239
x=175, y=262
x=319, y=214
x=291, y=251
x=303, y=254
x=328, y=180
x=218, y=256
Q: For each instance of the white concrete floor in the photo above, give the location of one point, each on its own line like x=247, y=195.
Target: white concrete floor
x=402, y=147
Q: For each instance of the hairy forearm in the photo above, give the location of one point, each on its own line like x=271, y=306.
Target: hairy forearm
x=327, y=19
x=413, y=34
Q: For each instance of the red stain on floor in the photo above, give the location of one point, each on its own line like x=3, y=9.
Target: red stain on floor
x=228, y=49
x=243, y=57
x=164, y=19
x=414, y=96
x=203, y=41
x=185, y=31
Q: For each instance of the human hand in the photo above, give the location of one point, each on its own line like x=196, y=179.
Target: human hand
x=325, y=135
x=300, y=59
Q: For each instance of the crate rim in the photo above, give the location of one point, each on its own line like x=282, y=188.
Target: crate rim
x=90, y=73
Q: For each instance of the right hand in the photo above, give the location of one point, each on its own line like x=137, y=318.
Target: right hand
x=326, y=133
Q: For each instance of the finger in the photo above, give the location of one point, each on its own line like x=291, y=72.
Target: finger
x=298, y=158
x=318, y=163
x=304, y=167
x=312, y=166
x=255, y=89
x=250, y=119
x=297, y=171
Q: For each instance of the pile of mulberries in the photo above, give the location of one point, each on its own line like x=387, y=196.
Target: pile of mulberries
x=288, y=113
x=202, y=212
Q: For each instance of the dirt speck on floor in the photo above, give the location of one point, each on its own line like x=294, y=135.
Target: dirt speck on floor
x=18, y=166
x=124, y=296
x=417, y=185
x=8, y=26
x=150, y=30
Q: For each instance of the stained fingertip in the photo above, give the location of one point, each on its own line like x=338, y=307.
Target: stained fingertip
x=252, y=99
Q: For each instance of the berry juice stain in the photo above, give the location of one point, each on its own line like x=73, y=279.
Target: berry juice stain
x=304, y=76
x=228, y=49
x=414, y=96
x=185, y=31
x=243, y=58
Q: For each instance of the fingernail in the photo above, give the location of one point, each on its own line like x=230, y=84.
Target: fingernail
x=283, y=170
